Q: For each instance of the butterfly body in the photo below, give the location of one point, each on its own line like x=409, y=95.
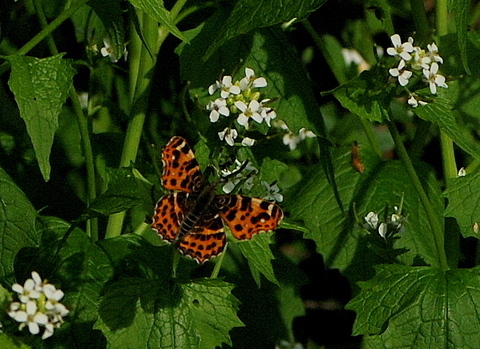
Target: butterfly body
x=191, y=218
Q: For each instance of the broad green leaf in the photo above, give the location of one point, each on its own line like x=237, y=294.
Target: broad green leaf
x=247, y=15
x=440, y=112
x=419, y=307
x=257, y=252
x=164, y=314
x=367, y=95
x=41, y=87
x=338, y=238
x=17, y=224
x=463, y=203
x=460, y=10
x=156, y=9
x=122, y=193
x=110, y=13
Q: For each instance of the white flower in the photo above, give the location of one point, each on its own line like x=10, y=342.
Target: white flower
x=250, y=81
x=433, y=78
x=400, y=49
x=273, y=192
x=229, y=134
x=420, y=59
x=291, y=140
x=372, y=220
x=39, y=306
x=462, y=172
x=107, y=50
x=251, y=111
x=217, y=108
x=304, y=133
x=352, y=56
x=233, y=182
x=433, y=53
x=414, y=102
x=400, y=73
x=248, y=142
x=225, y=86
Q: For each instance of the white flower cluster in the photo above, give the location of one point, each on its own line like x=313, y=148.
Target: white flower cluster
x=240, y=100
x=393, y=225
x=38, y=306
x=415, y=60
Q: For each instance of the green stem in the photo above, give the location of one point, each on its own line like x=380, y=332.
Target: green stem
x=420, y=19
x=92, y=225
x=441, y=11
x=138, y=111
x=448, y=158
x=436, y=228
x=218, y=264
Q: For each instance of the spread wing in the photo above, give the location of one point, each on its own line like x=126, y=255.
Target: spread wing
x=247, y=216
x=169, y=215
x=180, y=167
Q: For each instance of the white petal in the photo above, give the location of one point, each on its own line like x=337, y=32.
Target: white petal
x=254, y=106
x=396, y=41
x=412, y=101
x=241, y=106
x=248, y=142
x=391, y=51
x=227, y=81
x=382, y=230
x=260, y=82
x=235, y=89
x=40, y=318
x=33, y=328
x=31, y=308
x=257, y=117
x=433, y=88
x=242, y=119
x=48, y=331
x=19, y=316
x=406, y=56
x=29, y=285
x=17, y=288
x=213, y=87
x=214, y=116
x=394, y=72
x=224, y=111
x=249, y=72
x=36, y=278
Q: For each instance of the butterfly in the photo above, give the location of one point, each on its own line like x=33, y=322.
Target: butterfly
x=191, y=218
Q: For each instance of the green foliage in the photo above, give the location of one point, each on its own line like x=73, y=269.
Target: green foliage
x=41, y=87
x=359, y=150
x=424, y=307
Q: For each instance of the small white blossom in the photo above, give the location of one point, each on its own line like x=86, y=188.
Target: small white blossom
x=217, y=108
x=401, y=73
x=251, y=111
x=225, y=86
x=39, y=306
x=352, y=56
x=433, y=53
x=412, y=101
x=229, y=134
x=233, y=182
x=462, y=172
x=372, y=220
x=433, y=78
x=420, y=59
x=476, y=228
x=382, y=230
x=107, y=50
x=272, y=192
x=251, y=81
x=400, y=49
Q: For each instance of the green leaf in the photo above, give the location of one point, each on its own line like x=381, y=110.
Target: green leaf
x=419, y=307
x=17, y=224
x=247, y=15
x=463, y=203
x=257, y=252
x=122, y=193
x=440, y=112
x=156, y=9
x=110, y=13
x=367, y=95
x=336, y=234
x=164, y=314
x=460, y=10
x=40, y=87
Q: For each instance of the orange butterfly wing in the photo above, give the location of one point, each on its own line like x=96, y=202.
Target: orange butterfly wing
x=246, y=216
x=180, y=167
x=169, y=215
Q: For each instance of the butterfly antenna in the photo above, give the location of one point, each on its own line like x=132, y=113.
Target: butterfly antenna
x=239, y=170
